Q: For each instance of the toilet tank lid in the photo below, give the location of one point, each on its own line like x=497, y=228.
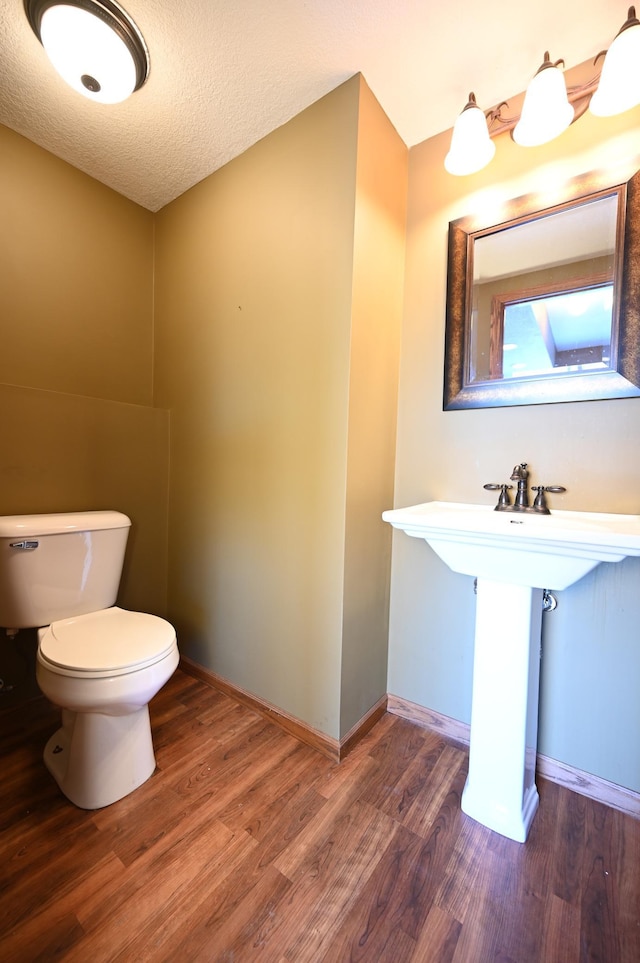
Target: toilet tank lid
x=19, y=526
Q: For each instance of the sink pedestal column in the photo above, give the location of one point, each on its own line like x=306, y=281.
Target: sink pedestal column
x=500, y=791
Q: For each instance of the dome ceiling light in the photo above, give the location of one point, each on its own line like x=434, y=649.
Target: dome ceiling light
x=93, y=44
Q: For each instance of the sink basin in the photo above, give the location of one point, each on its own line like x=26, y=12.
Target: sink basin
x=543, y=551
x=514, y=556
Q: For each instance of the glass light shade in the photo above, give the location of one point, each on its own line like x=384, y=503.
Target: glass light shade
x=619, y=87
x=471, y=146
x=546, y=111
x=88, y=54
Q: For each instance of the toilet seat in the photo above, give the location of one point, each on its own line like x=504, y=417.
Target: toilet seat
x=110, y=642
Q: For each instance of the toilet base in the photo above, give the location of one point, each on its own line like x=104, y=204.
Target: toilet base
x=97, y=759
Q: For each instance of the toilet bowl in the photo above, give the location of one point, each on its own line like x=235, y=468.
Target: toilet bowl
x=102, y=669
x=99, y=663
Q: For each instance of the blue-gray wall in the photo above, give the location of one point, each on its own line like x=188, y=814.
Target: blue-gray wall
x=589, y=709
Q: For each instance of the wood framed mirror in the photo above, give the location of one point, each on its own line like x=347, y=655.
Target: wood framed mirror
x=544, y=306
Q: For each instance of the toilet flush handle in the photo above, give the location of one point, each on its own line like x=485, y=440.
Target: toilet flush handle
x=25, y=546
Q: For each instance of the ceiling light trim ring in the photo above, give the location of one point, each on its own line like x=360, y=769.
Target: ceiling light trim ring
x=112, y=15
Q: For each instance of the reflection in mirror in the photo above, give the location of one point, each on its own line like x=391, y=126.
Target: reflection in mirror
x=534, y=304
x=558, y=334
x=531, y=285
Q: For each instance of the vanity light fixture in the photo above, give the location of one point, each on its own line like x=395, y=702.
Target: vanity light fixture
x=93, y=44
x=549, y=106
x=471, y=144
x=546, y=111
x=619, y=87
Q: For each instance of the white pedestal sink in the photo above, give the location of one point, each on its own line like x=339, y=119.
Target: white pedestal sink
x=514, y=556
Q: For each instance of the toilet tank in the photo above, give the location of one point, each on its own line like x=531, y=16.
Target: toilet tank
x=57, y=566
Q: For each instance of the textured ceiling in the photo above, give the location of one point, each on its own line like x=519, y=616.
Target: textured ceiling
x=224, y=73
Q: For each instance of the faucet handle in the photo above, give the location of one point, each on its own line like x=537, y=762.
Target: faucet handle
x=503, y=498
x=540, y=503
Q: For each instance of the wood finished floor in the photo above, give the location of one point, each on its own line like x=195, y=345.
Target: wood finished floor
x=248, y=846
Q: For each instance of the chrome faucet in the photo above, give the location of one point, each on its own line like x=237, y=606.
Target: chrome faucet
x=520, y=475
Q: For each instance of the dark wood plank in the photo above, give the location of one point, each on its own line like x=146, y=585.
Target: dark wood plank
x=247, y=845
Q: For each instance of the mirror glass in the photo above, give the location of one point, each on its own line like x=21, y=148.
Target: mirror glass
x=535, y=303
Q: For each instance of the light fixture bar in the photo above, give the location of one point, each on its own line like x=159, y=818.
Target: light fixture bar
x=614, y=89
x=578, y=96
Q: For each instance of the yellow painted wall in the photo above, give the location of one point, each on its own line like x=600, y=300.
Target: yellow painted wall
x=376, y=319
x=77, y=277
x=255, y=275
x=77, y=424
x=590, y=717
x=276, y=329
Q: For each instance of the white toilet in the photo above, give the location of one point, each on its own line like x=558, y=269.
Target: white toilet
x=99, y=663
